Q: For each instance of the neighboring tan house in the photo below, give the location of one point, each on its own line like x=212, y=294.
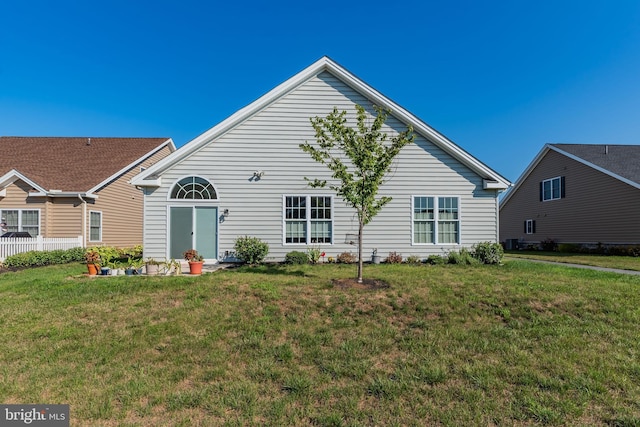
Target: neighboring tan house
x=245, y=176
x=70, y=187
x=575, y=193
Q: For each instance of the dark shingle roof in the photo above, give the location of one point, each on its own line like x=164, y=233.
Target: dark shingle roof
x=71, y=164
x=622, y=160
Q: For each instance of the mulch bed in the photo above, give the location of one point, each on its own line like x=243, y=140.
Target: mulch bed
x=367, y=284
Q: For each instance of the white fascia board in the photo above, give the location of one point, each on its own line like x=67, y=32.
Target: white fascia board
x=168, y=142
x=419, y=126
x=525, y=174
x=596, y=167
x=13, y=176
x=323, y=64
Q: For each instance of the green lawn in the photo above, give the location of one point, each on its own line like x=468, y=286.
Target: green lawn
x=517, y=344
x=620, y=262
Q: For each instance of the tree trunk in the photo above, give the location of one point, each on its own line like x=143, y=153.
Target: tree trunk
x=360, y=229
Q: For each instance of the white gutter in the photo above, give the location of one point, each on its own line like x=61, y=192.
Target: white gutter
x=84, y=221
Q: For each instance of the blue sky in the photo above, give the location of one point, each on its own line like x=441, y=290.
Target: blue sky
x=499, y=78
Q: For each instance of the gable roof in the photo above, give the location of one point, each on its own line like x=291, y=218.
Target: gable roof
x=621, y=162
x=63, y=165
x=151, y=177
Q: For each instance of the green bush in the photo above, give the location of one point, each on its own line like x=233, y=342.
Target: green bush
x=488, y=253
x=251, y=250
x=436, y=260
x=41, y=258
x=569, y=248
x=296, y=257
x=414, y=259
x=463, y=257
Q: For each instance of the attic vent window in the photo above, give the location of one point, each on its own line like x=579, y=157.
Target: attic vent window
x=193, y=188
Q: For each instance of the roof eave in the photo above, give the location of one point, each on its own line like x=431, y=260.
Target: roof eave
x=323, y=64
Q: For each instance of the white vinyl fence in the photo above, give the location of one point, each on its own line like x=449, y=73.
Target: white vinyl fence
x=15, y=245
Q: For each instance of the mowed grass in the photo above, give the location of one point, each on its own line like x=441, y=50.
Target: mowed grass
x=608, y=261
x=518, y=344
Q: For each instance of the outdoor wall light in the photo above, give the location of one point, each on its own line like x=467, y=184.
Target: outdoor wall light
x=225, y=213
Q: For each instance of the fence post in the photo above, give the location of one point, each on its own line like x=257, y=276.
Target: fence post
x=39, y=243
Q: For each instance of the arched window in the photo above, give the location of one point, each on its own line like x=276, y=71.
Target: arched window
x=193, y=188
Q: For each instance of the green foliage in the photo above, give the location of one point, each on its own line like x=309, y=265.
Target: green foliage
x=369, y=154
x=462, y=257
x=296, y=257
x=314, y=254
x=251, y=250
x=436, y=260
x=569, y=248
x=414, y=259
x=488, y=253
x=41, y=258
x=366, y=148
x=393, y=258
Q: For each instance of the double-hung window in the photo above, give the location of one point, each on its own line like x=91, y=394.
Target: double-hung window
x=436, y=220
x=22, y=220
x=95, y=226
x=308, y=219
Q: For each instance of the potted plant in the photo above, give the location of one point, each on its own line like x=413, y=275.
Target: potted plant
x=136, y=264
x=93, y=260
x=195, y=261
x=152, y=266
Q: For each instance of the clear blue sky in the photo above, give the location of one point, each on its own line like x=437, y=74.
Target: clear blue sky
x=499, y=78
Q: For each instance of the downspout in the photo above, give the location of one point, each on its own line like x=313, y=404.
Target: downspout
x=84, y=221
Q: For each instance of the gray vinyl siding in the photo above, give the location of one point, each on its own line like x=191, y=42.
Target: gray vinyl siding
x=597, y=208
x=269, y=141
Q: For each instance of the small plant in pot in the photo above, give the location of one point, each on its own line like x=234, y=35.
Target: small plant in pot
x=195, y=261
x=152, y=266
x=93, y=259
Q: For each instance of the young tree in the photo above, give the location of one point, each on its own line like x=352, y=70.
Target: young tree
x=369, y=156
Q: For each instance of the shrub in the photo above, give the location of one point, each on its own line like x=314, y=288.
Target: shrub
x=436, y=260
x=414, y=259
x=346, y=258
x=549, y=245
x=251, y=250
x=569, y=248
x=488, y=253
x=393, y=258
x=41, y=258
x=314, y=254
x=463, y=257
x=296, y=257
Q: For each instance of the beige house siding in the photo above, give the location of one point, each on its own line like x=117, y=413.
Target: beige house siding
x=17, y=198
x=597, y=208
x=121, y=205
x=65, y=217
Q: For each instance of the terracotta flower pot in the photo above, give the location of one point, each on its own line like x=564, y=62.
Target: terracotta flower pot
x=195, y=267
x=93, y=269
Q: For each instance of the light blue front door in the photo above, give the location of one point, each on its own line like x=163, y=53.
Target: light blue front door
x=193, y=227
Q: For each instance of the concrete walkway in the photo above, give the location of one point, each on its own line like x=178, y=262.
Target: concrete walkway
x=588, y=267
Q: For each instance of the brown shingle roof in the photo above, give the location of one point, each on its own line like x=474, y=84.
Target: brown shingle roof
x=71, y=163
